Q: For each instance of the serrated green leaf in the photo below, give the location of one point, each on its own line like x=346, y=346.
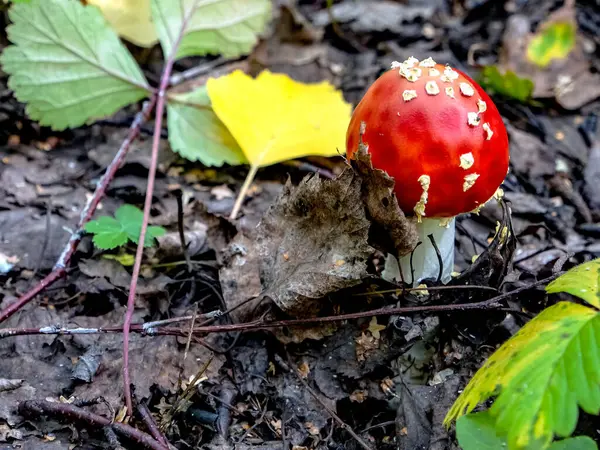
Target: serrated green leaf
x=108, y=232
x=575, y=443
x=540, y=376
x=131, y=219
x=554, y=41
x=581, y=281
x=112, y=232
x=508, y=84
x=476, y=432
x=67, y=64
x=227, y=27
x=197, y=134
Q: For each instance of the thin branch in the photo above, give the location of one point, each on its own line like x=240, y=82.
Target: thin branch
x=151, y=424
x=43, y=407
x=160, y=107
x=144, y=329
x=439, y=257
x=332, y=413
x=60, y=268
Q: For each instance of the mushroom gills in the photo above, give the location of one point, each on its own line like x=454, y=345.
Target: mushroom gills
x=425, y=261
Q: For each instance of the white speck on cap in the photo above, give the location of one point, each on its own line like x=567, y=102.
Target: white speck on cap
x=467, y=160
x=429, y=62
x=434, y=73
x=432, y=88
x=409, y=94
x=466, y=89
x=450, y=91
x=396, y=64
x=419, y=208
x=488, y=130
x=411, y=61
x=412, y=74
x=469, y=181
x=481, y=106
x=473, y=119
x=449, y=74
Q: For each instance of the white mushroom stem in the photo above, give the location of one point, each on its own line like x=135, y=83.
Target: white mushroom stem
x=425, y=259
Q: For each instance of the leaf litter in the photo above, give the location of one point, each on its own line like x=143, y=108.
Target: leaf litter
x=367, y=391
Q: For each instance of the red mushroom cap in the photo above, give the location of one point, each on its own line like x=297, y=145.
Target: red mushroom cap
x=437, y=133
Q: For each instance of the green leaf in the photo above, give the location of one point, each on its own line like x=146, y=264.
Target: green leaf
x=67, y=64
x=575, y=443
x=196, y=133
x=539, y=377
x=553, y=41
x=112, y=232
x=108, y=232
x=228, y=27
x=476, y=432
x=581, y=281
x=508, y=84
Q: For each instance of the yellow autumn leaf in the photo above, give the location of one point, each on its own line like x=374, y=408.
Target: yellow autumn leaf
x=131, y=19
x=275, y=118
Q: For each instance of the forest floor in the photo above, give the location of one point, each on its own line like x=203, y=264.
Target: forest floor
x=384, y=382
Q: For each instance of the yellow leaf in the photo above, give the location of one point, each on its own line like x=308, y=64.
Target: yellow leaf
x=131, y=19
x=274, y=118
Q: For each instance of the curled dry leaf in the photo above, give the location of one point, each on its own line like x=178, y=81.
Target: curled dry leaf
x=314, y=240
x=390, y=229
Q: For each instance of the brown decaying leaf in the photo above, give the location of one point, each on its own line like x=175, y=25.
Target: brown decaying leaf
x=315, y=240
x=389, y=224
x=312, y=242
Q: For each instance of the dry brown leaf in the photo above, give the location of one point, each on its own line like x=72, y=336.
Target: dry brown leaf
x=358, y=396
x=365, y=344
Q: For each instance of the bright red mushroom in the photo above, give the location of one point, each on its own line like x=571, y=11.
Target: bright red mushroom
x=440, y=136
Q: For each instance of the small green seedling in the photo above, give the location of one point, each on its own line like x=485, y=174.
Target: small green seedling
x=111, y=232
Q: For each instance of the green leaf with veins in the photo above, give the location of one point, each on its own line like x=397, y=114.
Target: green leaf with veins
x=112, y=232
x=581, y=281
x=540, y=377
x=197, y=134
x=476, y=432
x=67, y=64
x=227, y=27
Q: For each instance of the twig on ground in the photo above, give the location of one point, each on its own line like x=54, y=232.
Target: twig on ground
x=184, y=249
x=186, y=395
x=43, y=407
x=160, y=108
x=60, y=268
x=150, y=423
x=491, y=303
x=332, y=413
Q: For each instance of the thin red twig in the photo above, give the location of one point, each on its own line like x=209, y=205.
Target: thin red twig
x=44, y=407
x=60, y=268
x=160, y=107
x=144, y=329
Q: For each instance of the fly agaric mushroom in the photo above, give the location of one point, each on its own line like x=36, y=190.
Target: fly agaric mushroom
x=440, y=136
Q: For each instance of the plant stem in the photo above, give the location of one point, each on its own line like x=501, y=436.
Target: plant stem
x=60, y=268
x=160, y=108
x=44, y=407
x=154, y=328
x=242, y=195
